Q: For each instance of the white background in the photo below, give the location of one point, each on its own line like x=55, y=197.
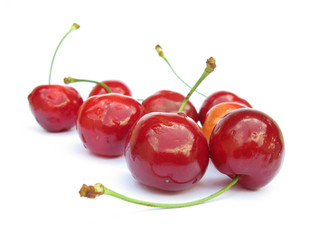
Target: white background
x=263, y=54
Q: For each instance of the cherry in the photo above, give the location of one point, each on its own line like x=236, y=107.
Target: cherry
x=170, y=102
x=249, y=143
x=168, y=151
x=216, y=98
x=216, y=113
x=104, y=120
x=114, y=85
x=55, y=107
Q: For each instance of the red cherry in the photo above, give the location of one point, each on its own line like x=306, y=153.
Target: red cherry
x=249, y=143
x=114, y=85
x=170, y=102
x=216, y=98
x=104, y=122
x=55, y=107
x=167, y=151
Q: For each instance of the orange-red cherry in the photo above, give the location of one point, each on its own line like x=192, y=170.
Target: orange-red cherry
x=216, y=113
x=216, y=98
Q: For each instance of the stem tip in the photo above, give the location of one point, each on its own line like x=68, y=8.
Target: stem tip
x=67, y=80
x=159, y=50
x=92, y=191
x=211, y=65
x=75, y=26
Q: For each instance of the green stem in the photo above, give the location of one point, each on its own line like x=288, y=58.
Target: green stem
x=72, y=80
x=209, y=69
x=161, y=54
x=74, y=26
x=99, y=189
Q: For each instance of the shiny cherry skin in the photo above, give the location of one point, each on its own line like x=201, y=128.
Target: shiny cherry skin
x=170, y=102
x=167, y=151
x=115, y=85
x=104, y=122
x=216, y=98
x=247, y=142
x=216, y=113
x=55, y=107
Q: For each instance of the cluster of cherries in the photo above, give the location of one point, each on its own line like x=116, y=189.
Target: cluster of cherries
x=163, y=145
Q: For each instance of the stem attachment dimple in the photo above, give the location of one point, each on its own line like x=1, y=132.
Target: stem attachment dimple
x=211, y=65
x=98, y=189
x=162, y=55
x=72, y=80
x=73, y=27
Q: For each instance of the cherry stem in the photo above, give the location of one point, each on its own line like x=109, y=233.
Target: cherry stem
x=161, y=54
x=211, y=65
x=98, y=189
x=72, y=80
x=74, y=26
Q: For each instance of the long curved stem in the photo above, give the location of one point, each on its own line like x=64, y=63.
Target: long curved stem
x=72, y=80
x=98, y=189
x=161, y=54
x=74, y=26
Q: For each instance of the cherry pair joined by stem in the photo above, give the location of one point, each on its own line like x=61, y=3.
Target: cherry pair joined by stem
x=55, y=107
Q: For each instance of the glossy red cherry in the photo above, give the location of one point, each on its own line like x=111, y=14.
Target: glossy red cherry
x=55, y=107
x=216, y=98
x=114, y=85
x=167, y=151
x=249, y=143
x=104, y=122
x=170, y=102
